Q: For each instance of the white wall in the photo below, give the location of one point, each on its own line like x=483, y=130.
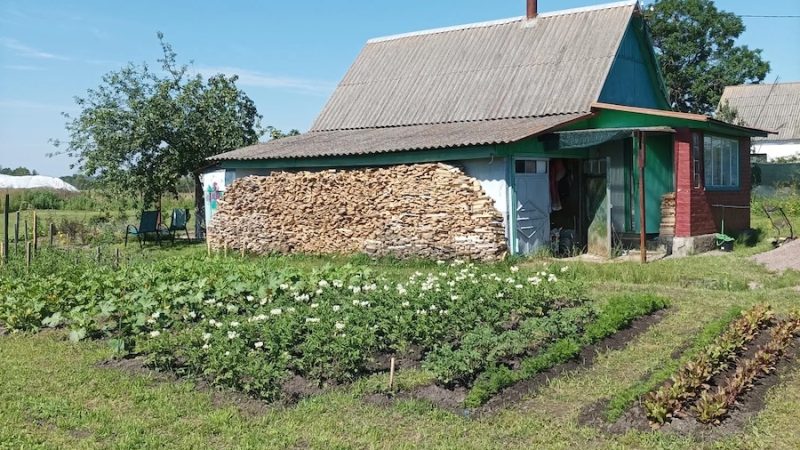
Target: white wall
x=491, y=173
x=777, y=149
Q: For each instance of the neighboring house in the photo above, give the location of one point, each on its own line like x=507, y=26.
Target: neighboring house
x=548, y=112
x=774, y=107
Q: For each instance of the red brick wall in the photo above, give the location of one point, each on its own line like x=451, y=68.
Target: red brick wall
x=694, y=212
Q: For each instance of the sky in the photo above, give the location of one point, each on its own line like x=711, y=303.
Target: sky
x=289, y=55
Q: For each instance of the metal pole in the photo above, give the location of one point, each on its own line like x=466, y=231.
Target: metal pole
x=642, y=210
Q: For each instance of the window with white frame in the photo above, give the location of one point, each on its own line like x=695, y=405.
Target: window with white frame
x=721, y=162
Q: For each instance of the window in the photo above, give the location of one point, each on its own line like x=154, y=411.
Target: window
x=530, y=166
x=721, y=160
x=697, y=159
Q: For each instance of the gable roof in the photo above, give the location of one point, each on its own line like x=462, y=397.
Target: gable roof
x=478, y=84
x=768, y=106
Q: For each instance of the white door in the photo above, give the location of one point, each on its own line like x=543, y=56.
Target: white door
x=533, y=205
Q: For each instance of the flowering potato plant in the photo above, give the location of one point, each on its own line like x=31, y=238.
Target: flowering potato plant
x=252, y=325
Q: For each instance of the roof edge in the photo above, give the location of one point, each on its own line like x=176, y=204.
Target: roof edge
x=490, y=23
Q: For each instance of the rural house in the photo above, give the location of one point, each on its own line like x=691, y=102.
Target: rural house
x=774, y=107
x=560, y=119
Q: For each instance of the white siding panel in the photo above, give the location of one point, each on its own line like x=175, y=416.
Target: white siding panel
x=491, y=173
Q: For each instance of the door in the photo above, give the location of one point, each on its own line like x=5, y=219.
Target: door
x=598, y=207
x=531, y=182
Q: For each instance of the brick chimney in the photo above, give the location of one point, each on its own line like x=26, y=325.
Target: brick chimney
x=533, y=10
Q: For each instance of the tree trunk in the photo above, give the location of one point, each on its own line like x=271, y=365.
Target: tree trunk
x=199, y=208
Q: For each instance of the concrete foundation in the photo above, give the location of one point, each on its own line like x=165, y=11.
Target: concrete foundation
x=687, y=246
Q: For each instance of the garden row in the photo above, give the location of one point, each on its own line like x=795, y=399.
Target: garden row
x=710, y=382
x=254, y=324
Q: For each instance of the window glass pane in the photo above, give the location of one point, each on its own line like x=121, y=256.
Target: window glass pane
x=707, y=160
x=721, y=162
x=541, y=166
x=530, y=166
x=519, y=166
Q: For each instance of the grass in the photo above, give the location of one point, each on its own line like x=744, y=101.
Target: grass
x=54, y=395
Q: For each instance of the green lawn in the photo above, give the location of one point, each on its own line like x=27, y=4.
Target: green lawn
x=54, y=395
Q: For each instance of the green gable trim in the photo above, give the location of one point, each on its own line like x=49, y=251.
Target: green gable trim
x=634, y=78
x=605, y=118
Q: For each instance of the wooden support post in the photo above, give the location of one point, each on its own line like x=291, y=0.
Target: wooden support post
x=26, y=231
x=35, y=233
x=97, y=257
x=5, y=229
x=16, y=234
x=391, y=374
x=52, y=232
x=225, y=250
x=3, y=261
x=642, y=210
x=28, y=256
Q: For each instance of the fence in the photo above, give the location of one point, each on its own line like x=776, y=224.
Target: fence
x=777, y=174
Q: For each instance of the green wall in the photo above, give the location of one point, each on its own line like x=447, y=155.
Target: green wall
x=658, y=177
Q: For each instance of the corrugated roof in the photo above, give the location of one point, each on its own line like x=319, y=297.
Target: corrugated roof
x=395, y=139
x=554, y=64
x=768, y=106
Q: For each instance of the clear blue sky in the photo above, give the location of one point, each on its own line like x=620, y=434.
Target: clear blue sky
x=289, y=54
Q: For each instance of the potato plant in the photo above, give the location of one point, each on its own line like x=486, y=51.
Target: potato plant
x=252, y=325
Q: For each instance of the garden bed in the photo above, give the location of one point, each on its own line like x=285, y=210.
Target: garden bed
x=737, y=369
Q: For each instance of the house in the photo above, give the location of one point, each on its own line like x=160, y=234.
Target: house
x=774, y=107
x=562, y=117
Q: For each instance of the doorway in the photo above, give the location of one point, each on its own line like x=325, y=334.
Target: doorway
x=532, y=227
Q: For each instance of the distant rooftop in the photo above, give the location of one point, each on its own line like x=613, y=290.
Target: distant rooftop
x=773, y=107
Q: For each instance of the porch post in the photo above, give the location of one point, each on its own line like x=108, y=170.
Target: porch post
x=642, y=219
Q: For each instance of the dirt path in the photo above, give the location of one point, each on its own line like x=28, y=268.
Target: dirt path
x=784, y=257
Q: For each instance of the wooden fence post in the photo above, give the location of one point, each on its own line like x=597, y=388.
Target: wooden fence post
x=52, y=231
x=35, y=233
x=16, y=234
x=28, y=256
x=5, y=229
x=26, y=231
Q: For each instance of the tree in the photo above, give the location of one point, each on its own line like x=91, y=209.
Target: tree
x=140, y=132
x=19, y=171
x=275, y=133
x=695, y=43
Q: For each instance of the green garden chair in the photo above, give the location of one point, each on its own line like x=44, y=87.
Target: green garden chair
x=150, y=223
x=179, y=222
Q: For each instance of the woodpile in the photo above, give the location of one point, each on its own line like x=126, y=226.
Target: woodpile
x=668, y=215
x=422, y=210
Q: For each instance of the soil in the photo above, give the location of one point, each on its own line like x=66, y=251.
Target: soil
x=409, y=359
x=297, y=388
x=787, y=256
x=748, y=405
x=453, y=399
x=220, y=398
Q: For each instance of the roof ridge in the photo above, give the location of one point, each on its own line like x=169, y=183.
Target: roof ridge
x=496, y=22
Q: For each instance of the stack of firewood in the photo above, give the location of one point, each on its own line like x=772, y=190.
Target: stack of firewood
x=421, y=210
x=668, y=214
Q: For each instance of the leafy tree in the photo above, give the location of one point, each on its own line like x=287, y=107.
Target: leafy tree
x=275, y=133
x=19, y=171
x=728, y=113
x=695, y=43
x=142, y=131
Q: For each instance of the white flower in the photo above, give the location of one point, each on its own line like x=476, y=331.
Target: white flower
x=232, y=335
x=444, y=312
x=355, y=302
x=263, y=302
x=564, y=269
x=364, y=304
x=433, y=308
x=454, y=297
x=155, y=333
x=314, y=305
x=156, y=315
x=405, y=304
x=422, y=312
x=302, y=297
x=534, y=280
x=235, y=324
x=552, y=278
x=206, y=336
x=291, y=309
x=231, y=308
x=510, y=280
x=275, y=312
x=500, y=295
x=227, y=353
x=514, y=269
x=440, y=262
x=284, y=286
x=250, y=298
x=318, y=291
x=336, y=308
x=258, y=344
x=339, y=326
x=517, y=286
x=323, y=284
x=312, y=319
x=210, y=301
x=151, y=320
x=338, y=283
x=192, y=314
x=355, y=289
x=452, y=283
x=206, y=347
